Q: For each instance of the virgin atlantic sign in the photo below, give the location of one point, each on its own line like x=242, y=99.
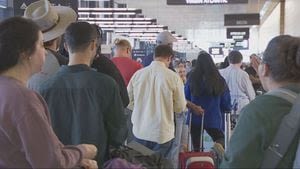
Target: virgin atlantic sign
x=205, y=2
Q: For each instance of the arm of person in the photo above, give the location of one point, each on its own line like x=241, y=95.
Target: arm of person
x=245, y=146
x=179, y=101
x=195, y=108
x=254, y=80
x=115, y=119
x=130, y=94
x=106, y=66
x=123, y=90
x=255, y=61
x=247, y=85
x=226, y=106
x=41, y=146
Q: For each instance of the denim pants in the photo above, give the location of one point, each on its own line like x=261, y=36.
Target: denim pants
x=176, y=147
x=163, y=149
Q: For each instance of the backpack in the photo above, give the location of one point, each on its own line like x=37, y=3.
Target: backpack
x=288, y=130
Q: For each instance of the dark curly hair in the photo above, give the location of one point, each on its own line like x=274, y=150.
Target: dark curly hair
x=283, y=57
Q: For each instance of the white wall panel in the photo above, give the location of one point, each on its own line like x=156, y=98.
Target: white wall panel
x=292, y=16
x=270, y=28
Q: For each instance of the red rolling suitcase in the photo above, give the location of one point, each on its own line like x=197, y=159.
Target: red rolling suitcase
x=196, y=160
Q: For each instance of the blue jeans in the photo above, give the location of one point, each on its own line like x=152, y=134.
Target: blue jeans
x=179, y=123
x=163, y=149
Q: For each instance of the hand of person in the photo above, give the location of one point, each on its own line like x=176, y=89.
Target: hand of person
x=90, y=151
x=255, y=61
x=184, y=148
x=88, y=164
x=198, y=110
x=195, y=108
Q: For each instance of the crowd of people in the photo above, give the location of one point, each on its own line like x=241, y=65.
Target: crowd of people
x=67, y=112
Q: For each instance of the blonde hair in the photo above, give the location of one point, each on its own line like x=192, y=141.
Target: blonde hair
x=122, y=43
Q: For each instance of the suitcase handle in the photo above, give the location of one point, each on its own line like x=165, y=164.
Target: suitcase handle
x=201, y=148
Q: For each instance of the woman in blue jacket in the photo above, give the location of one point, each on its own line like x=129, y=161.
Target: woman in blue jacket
x=207, y=88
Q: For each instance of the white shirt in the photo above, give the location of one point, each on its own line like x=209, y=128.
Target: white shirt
x=155, y=93
x=239, y=84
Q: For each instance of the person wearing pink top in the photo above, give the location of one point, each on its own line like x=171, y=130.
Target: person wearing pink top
x=123, y=61
x=27, y=139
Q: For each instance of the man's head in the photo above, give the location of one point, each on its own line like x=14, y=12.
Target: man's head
x=122, y=48
x=82, y=37
x=235, y=57
x=165, y=38
x=164, y=53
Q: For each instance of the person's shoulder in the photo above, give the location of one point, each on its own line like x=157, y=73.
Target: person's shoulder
x=18, y=94
x=265, y=105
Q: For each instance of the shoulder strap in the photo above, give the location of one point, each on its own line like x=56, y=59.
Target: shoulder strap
x=297, y=158
x=285, y=94
x=287, y=131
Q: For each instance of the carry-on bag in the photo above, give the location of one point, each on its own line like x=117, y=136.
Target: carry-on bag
x=197, y=160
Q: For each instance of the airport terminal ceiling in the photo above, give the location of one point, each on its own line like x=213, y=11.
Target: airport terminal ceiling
x=201, y=24
x=191, y=16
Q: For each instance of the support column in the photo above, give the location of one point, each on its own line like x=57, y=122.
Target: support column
x=282, y=16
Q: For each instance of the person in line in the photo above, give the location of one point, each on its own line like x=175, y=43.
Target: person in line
x=104, y=65
x=238, y=81
x=53, y=20
x=253, y=75
x=153, y=109
x=27, y=139
x=89, y=108
x=127, y=66
x=122, y=59
x=163, y=38
x=207, y=88
x=260, y=119
x=181, y=134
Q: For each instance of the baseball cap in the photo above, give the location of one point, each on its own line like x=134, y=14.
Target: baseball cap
x=165, y=38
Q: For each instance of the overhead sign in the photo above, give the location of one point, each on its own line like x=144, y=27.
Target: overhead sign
x=241, y=19
x=215, y=50
x=241, y=45
x=204, y=2
x=138, y=53
x=20, y=6
x=237, y=33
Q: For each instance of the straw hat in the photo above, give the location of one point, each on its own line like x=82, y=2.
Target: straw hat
x=53, y=20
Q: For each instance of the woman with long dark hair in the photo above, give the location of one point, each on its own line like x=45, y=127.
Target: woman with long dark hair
x=207, y=88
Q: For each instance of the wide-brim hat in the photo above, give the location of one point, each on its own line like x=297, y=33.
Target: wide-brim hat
x=165, y=38
x=53, y=20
